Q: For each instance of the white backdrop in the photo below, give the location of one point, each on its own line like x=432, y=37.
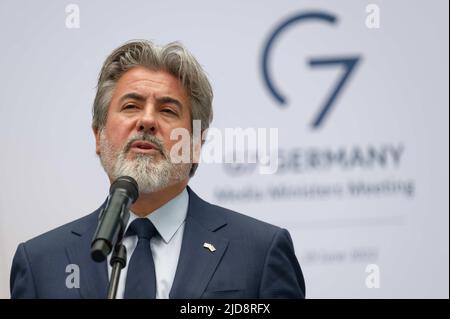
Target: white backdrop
x=369, y=186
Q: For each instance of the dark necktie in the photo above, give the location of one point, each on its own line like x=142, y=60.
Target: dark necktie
x=141, y=281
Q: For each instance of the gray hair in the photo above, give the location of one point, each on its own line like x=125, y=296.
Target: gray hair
x=172, y=58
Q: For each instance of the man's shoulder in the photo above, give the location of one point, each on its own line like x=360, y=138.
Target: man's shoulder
x=237, y=223
x=62, y=235
x=241, y=220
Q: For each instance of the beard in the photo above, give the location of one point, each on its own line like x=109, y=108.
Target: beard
x=151, y=174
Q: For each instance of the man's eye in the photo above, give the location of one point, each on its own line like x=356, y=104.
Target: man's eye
x=129, y=106
x=170, y=111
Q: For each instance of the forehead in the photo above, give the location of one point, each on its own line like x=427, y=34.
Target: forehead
x=150, y=84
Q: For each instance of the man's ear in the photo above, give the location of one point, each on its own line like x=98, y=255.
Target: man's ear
x=97, y=139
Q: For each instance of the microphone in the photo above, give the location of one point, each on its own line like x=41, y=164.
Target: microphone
x=114, y=216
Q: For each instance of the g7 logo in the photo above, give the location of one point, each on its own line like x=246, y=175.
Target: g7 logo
x=349, y=63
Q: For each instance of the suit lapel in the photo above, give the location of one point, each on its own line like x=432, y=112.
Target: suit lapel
x=196, y=263
x=93, y=275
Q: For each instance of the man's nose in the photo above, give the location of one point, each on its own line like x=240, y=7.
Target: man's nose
x=147, y=122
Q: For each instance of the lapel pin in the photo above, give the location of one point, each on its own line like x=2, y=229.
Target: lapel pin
x=210, y=247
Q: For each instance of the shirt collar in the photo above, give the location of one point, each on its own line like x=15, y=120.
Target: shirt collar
x=168, y=218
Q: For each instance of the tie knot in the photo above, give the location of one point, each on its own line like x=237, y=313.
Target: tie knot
x=143, y=228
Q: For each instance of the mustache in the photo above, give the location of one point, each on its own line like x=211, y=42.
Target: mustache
x=147, y=138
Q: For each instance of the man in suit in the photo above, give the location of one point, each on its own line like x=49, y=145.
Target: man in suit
x=179, y=246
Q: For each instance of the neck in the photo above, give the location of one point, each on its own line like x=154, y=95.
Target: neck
x=149, y=202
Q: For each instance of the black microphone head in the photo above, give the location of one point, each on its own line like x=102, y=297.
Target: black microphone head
x=128, y=184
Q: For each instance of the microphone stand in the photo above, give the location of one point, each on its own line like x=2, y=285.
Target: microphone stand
x=119, y=256
x=118, y=262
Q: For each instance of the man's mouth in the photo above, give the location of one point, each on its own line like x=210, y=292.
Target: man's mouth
x=143, y=147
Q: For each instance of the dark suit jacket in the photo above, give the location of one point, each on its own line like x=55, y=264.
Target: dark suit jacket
x=253, y=259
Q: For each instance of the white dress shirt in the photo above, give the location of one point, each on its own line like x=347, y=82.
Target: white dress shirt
x=169, y=221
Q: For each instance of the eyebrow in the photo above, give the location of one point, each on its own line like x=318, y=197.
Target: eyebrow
x=169, y=100
x=132, y=96
x=160, y=100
